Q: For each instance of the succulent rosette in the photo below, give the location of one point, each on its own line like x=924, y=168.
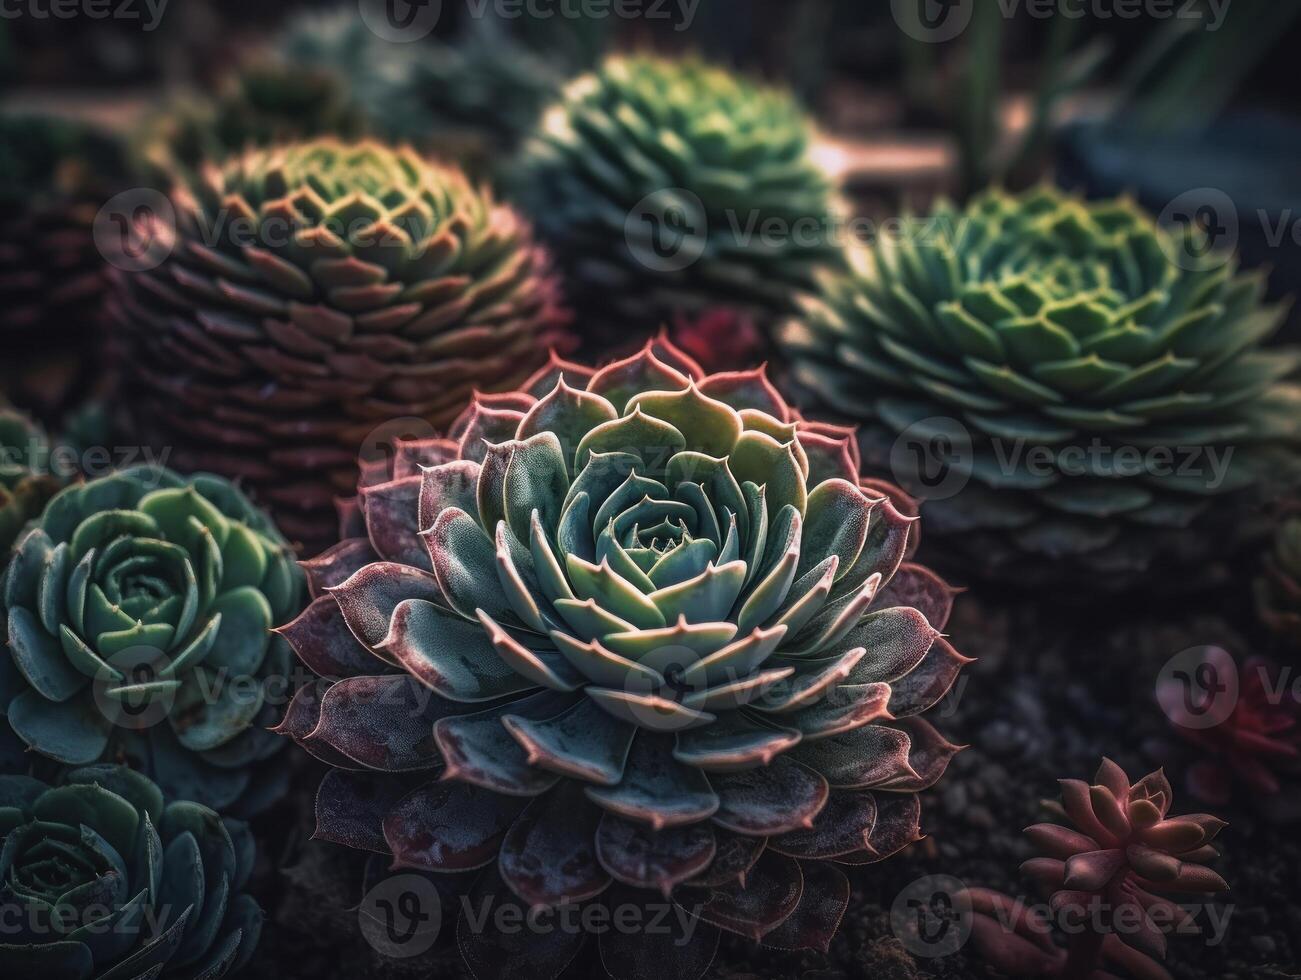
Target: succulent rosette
x=139, y=611
x=633, y=635
x=1090, y=400
x=316, y=291
x=55, y=175
x=101, y=877
x=1278, y=588
x=673, y=186
x=1118, y=848
x=25, y=483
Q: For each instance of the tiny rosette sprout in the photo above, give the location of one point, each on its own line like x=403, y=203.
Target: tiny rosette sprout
x=1090, y=398
x=669, y=647
x=316, y=291
x=674, y=186
x=101, y=877
x=139, y=611
x=1106, y=866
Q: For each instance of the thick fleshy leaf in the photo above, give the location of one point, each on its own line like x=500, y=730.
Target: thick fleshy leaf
x=449, y=826
x=392, y=513
x=383, y=723
x=656, y=789
x=656, y=859
x=478, y=748
x=351, y=807
x=321, y=638
x=368, y=598
x=842, y=827
x=771, y=800
x=859, y=758
x=584, y=742
x=548, y=857
x=822, y=905
x=771, y=893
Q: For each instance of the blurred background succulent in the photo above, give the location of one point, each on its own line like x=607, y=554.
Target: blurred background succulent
x=55, y=175
x=1253, y=748
x=1278, y=589
x=139, y=607
x=1084, y=387
x=317, y=291
x=719, y=339
x=1116, y=848
x=265, y=101
x=26, y=482
x=668, y=644
x=674, y=187
x=471, y=99
x=104, y=877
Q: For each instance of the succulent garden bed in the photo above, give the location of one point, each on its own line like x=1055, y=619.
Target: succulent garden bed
x=491, y=508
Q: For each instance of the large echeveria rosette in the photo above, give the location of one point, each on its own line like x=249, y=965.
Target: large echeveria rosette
x=667, y=645
x=315, y=291
x=673, y=187
x=102, y=877
x=1112, y=381
x=139, y=612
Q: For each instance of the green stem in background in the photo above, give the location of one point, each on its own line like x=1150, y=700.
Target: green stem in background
x=980, y=82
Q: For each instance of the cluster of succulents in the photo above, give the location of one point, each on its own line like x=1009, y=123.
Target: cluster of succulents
x=669, y=647
x=315, y=292
x=1116, y=849
x=1097, y=397
x=104, y=876
x=139, y=608
x=672, y=187
x=54, y=177
x=1278, y=589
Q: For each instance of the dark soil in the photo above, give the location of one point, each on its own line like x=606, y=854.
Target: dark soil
x=1053, y=692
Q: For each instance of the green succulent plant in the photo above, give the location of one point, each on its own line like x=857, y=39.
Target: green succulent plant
x=315, y=292
x=667, y=644
x=1094, y=391
x=675, y=187
x=263, y=102
x=139, y=607
x=103, y=878
x=55, y=175
x=25, y=481
x=472, y=100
